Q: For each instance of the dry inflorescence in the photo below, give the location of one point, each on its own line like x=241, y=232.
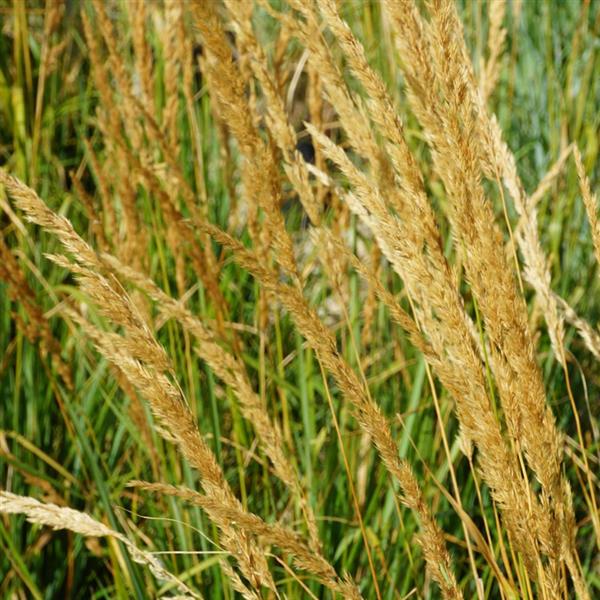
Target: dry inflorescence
x=365, y=168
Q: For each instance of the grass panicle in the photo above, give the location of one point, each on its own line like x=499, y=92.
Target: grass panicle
x=298, y=299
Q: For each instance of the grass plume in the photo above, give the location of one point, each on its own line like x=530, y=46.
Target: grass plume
x=300, y=297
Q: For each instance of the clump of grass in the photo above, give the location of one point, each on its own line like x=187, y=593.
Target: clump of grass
x=310, y=275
